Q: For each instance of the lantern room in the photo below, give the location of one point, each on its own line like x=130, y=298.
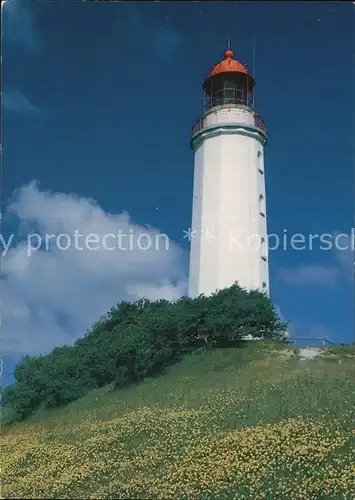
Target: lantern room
x=228, y=83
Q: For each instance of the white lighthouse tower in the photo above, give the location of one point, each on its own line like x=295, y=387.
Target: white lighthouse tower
x=228, y=231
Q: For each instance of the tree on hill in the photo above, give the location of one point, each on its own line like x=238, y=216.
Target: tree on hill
x=136, y=340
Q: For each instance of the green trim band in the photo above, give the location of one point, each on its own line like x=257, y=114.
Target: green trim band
x=228, y=128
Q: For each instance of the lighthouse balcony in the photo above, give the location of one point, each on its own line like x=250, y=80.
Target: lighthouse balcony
x=229, y=114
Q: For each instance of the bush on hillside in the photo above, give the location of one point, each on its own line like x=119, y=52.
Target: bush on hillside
x=136, y=340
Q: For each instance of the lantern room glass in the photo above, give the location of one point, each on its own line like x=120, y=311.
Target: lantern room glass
x=228, y=89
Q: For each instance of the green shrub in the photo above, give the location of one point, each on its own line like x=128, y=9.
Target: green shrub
x=136, y=340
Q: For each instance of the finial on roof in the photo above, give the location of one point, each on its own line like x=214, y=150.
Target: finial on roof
x=228, y=54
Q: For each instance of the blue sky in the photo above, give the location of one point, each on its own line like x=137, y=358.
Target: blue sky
x=99, y=100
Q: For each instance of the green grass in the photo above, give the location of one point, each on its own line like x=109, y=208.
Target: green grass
x=227, y=423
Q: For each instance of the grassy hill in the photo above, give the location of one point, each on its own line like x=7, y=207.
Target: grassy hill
x=251, y=422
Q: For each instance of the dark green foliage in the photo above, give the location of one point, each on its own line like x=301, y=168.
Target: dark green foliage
x=138, y=340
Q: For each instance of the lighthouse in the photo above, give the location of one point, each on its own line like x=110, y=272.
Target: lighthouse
x=228, y=232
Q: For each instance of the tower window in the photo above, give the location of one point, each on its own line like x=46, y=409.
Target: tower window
x=264, y=284
x=263, y=249
x=262, y=205
x=260, y=165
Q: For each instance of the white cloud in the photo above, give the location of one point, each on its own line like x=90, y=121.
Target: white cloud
x=164, y=39
x=340, y=268
x=310, y=275
x=167, y=42
x=54, y=296
x=320, y=332
x=345, y=257
x=15, y=101
x=305, y=334
x=279, y=313
x=19, y=27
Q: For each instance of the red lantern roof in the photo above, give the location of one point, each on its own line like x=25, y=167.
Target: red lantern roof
x=228, y=64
